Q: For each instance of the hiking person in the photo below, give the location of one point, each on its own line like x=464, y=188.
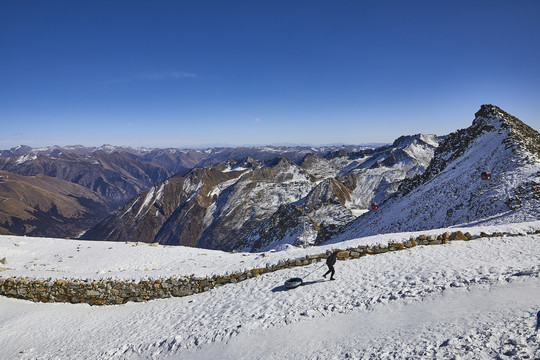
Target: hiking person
x=330, y=261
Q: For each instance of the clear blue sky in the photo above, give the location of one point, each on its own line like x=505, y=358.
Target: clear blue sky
x=194, y=73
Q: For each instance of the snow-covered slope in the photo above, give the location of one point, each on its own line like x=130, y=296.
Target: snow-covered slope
x=451, y=190
x=465, y=299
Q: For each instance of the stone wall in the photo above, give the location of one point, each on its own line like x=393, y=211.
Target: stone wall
x=109, y=292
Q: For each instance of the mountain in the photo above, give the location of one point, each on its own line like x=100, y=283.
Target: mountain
x=45, y=206
x=253, y=205
x=450, y=191
x=116, y=174
x=113, y=175
x=119, y=173
x=209, y=207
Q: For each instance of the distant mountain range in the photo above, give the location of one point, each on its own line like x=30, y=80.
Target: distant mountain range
x=112, y=175
x=43, y=206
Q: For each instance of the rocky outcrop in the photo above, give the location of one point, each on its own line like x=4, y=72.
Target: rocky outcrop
x=288, y=225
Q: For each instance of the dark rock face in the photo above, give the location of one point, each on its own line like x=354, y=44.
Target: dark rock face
x=289, y=223
x=329, y=192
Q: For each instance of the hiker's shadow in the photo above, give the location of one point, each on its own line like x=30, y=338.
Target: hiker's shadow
x=283, y=288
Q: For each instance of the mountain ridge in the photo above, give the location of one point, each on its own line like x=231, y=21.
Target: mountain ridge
x=223, y=214
x=451, y=190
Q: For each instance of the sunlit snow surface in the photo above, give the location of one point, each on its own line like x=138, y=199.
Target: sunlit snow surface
x=475, y=299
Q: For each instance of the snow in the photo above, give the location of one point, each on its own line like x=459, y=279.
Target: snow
x=147, y=199
x=239, y=168
x=25, y=158
x=358, y=212
x=159, y=193
x=465, y=299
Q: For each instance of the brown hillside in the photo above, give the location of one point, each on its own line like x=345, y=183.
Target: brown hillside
x=45, y=206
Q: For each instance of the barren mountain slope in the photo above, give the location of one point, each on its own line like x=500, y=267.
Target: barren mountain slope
x=46, y=206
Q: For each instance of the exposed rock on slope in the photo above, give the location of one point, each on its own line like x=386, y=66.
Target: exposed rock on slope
x=288, y=225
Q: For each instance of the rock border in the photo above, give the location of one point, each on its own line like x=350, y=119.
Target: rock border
x=112, y=292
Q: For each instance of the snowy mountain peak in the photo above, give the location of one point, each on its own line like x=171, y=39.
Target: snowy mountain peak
x=490, y=127
x=519, y=133
x=451, y=190
x=406, y=140
x=21, y=150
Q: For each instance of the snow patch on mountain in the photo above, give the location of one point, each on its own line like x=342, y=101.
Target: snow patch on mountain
x=25, y=158
x=149, y=196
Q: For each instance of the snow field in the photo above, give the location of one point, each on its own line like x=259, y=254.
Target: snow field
x=475, y=299
x=483, y=323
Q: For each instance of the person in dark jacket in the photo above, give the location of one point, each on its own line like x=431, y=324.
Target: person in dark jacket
x=330, y=261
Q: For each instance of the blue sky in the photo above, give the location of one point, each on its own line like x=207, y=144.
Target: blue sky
x=197, y=73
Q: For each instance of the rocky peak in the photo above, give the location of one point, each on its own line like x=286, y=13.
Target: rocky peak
x=311, y=159
x=408, y=140
x=246, y=163
x=488, y=111
x=341, y=153
x=522, y=134
x=405, y=140
x=280, y=162
x=21, y=150
x=489, y=118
